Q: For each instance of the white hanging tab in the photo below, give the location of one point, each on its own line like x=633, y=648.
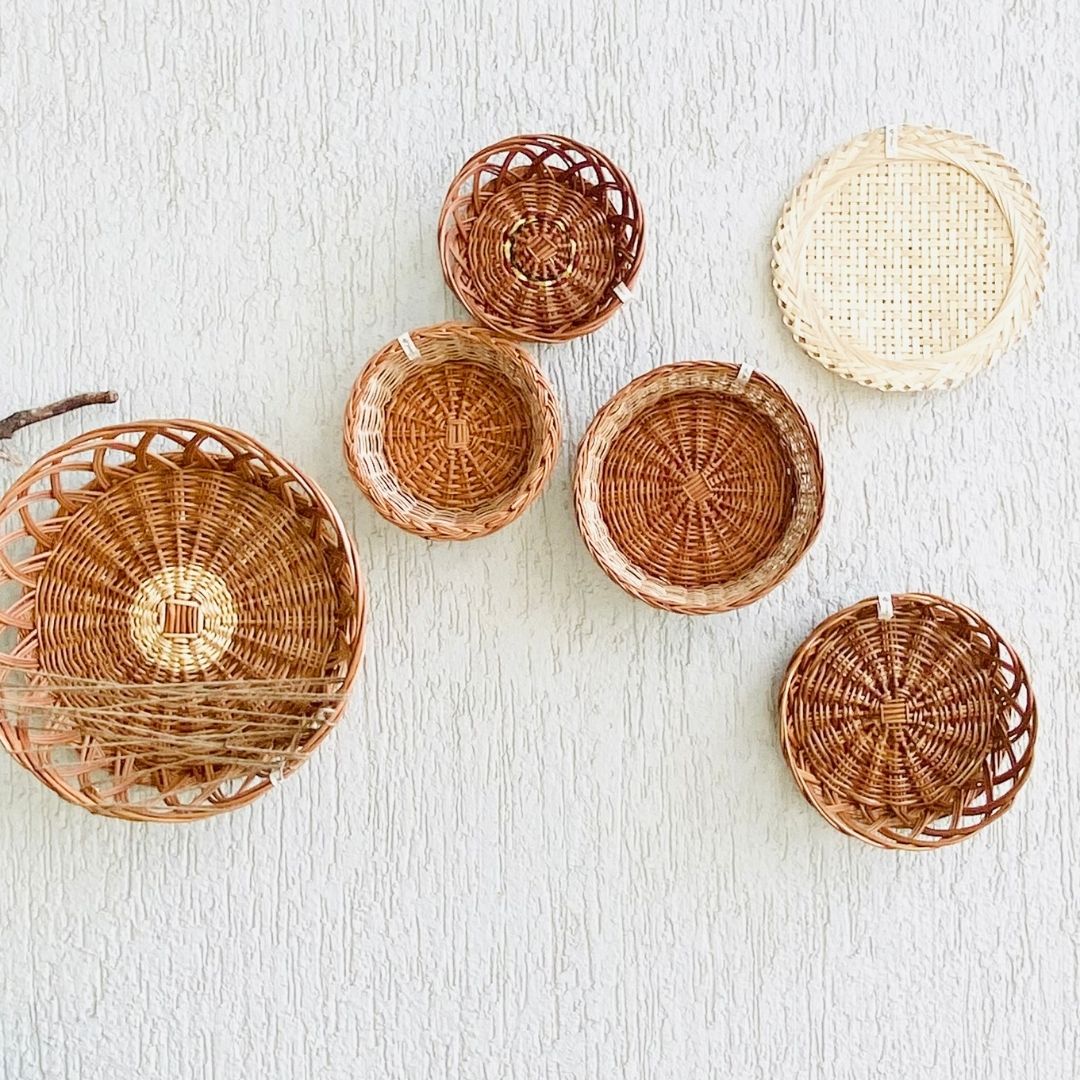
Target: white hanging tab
x=408, y=346
x=891, y=147
x=746, y=371
x=623, y=292
x=884, y=607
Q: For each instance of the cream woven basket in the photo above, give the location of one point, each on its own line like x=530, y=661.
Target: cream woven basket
x=909, y=259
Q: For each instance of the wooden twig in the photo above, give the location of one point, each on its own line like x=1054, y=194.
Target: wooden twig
x=10, y=424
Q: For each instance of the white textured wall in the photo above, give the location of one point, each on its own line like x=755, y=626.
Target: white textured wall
x=554, y=836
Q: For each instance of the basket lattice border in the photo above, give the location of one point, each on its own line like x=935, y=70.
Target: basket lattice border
x=998, y=790
x=499, y=163
x=39, y=505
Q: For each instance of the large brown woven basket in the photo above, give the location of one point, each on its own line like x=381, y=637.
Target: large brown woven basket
x=541, y=237
x=907, y=721
x=452, y=431
x=909, y=258
x=699, y=487
x=181, y=616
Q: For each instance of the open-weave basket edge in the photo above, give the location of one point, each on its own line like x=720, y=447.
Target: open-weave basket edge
x=19, y=495
x=463, y=187
x=883, y=837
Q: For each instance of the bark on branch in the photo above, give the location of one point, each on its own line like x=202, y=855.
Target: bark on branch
x=10, y=424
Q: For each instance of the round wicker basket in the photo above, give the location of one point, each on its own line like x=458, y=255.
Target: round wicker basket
x=539, y=237
x=907, y=721
x=181, y=617
x=699, y=487
x=909, y=258
x=452, y=431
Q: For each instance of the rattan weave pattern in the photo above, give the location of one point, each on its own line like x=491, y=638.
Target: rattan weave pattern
x=909, y=729
x=181, y=616
x=909, y=258
x=456, y=442
x=537, y=233
x=698, y=490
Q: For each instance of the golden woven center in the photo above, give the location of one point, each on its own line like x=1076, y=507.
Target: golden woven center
x=909, y=258
x=183, y=619
x=893, y=711
x=459, y=435
x=540, y=250
x=698, y=489
x=180, y=618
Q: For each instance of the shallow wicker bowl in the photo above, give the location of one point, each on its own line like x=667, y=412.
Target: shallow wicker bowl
x=909, y=258
x=698, y=487
x=539, y=236
x=181, y=616
x=913, y=729
x=456, y=440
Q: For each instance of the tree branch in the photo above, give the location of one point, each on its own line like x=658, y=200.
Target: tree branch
x=10, y=424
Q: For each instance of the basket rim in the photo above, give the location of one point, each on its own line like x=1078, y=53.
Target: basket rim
x=852, y=360
x=632, y=399
x=447, y=231
x=832, y=814
x=373, y=474
x=240, y=445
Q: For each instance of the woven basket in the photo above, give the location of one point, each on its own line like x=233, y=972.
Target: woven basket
x=181, y=616
x=541, y=237
x=452, y=431
x=908, y=728
x=909, y=259
x=699, y=487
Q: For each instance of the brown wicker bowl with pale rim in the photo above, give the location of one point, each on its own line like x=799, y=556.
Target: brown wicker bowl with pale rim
x=452, y=431
x=541, y=237
x=699, y=487
x=910, y=258
x=181, y=617
x=908, y=722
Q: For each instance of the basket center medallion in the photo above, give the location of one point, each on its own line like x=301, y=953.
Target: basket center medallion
x=183, y=619
x=893, y=712
x=178, y=617
x=457, y=434
x=696, y=488
x=540, y=250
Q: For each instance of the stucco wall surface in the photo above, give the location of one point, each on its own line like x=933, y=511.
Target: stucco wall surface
x=553, y=837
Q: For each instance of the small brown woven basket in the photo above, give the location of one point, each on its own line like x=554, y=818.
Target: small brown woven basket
x=541, y=237
x=181, y=617
x=907, y=721
x=452, y=431
x=699, y=487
